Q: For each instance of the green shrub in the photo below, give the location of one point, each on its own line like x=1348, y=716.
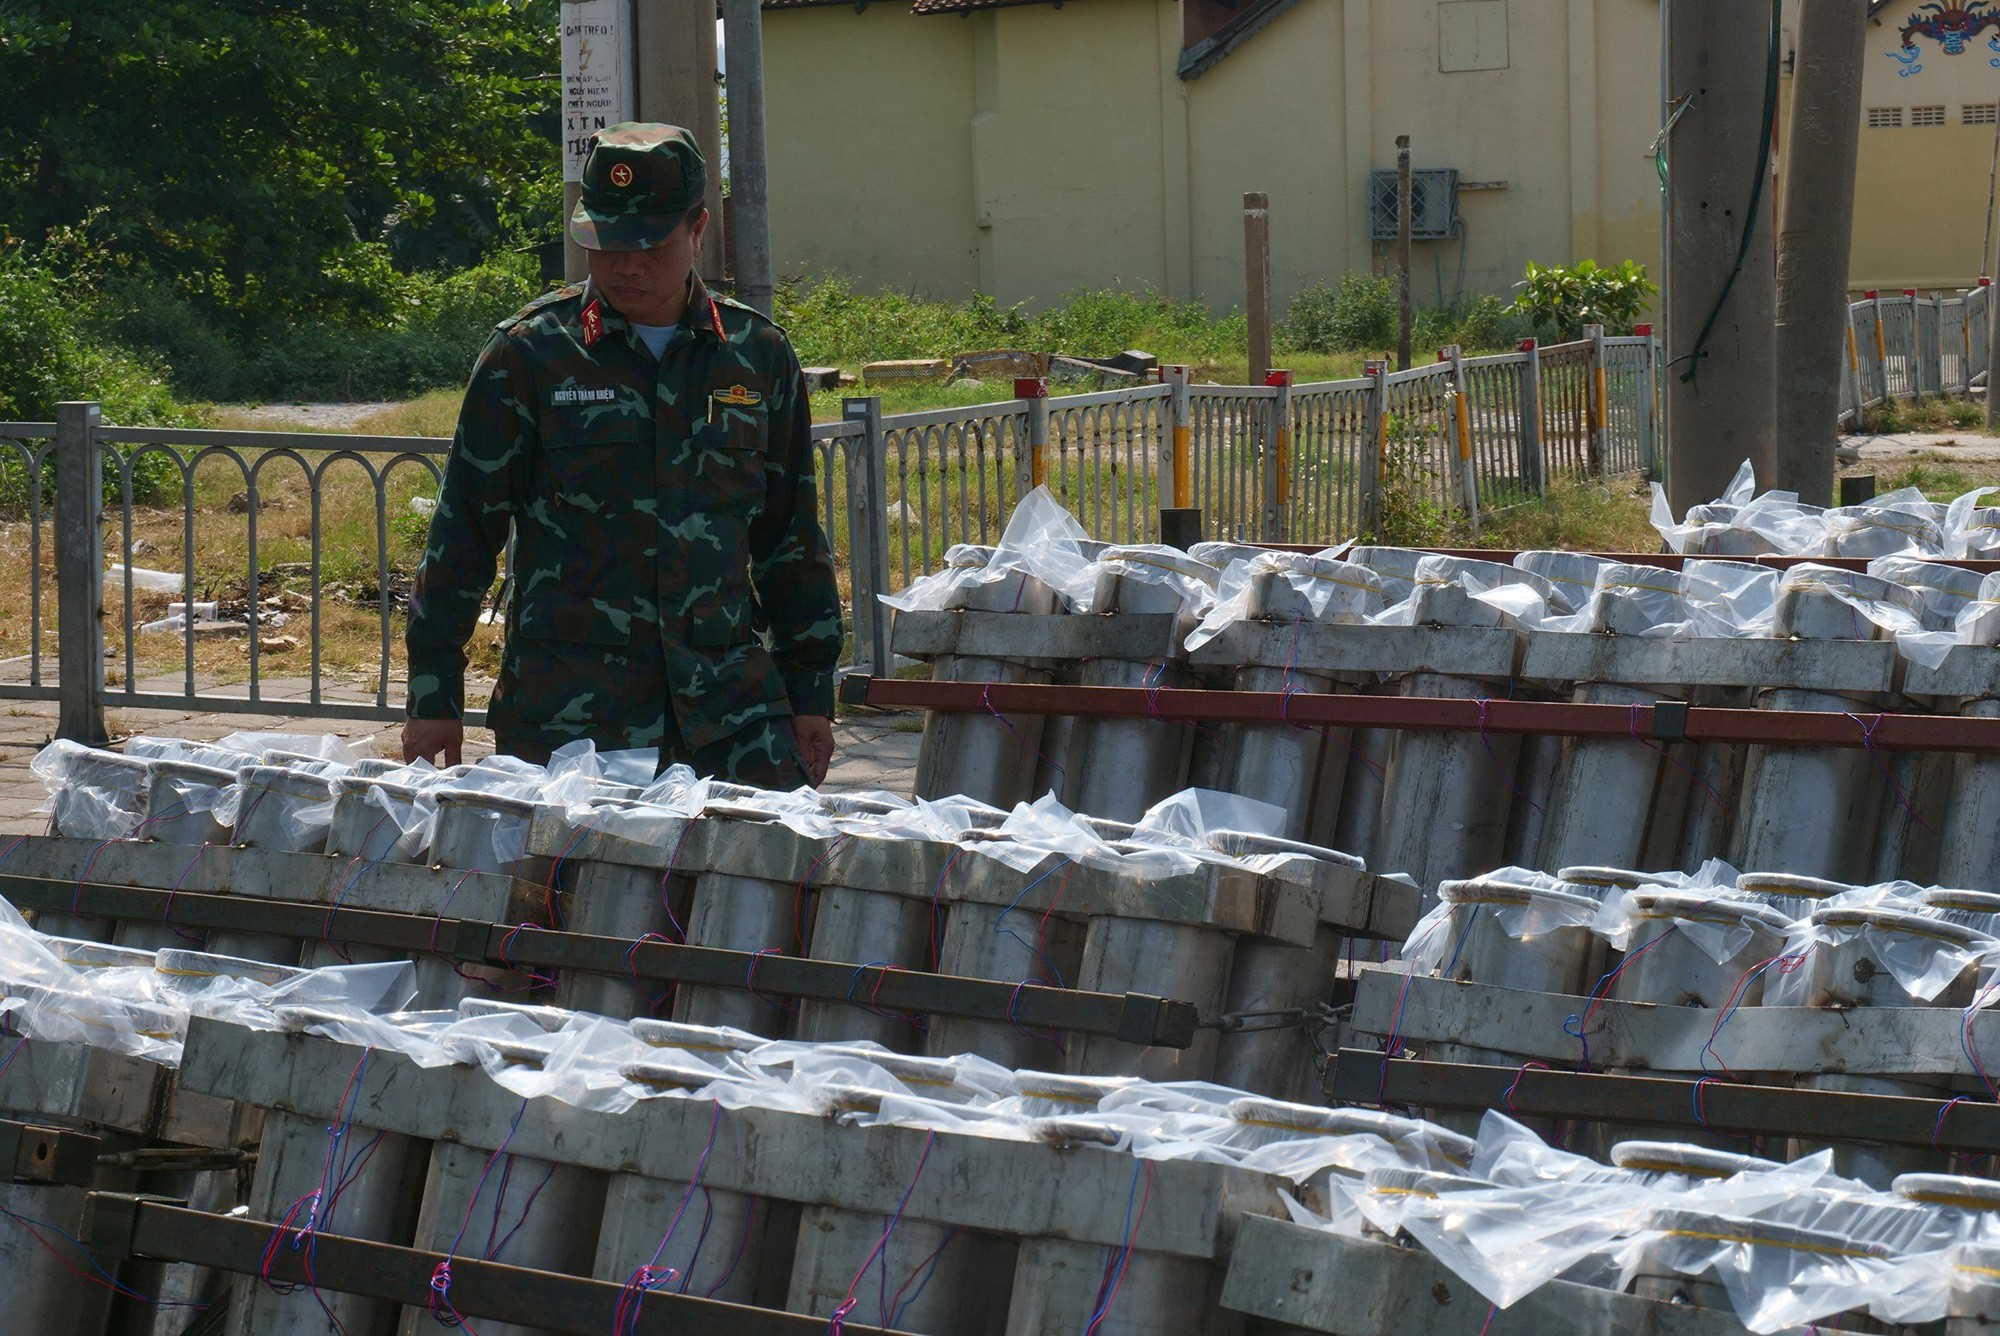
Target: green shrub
x=397, y=335
x=1359, y=315
x=832, y=324
x=1563, y=300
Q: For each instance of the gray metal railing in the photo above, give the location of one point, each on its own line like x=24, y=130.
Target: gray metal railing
x=1908, y=346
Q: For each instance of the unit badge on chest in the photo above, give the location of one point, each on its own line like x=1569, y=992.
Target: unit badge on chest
x=736, y=396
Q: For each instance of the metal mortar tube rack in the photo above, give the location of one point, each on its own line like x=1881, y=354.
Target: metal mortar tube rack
x=1291, y=768
x=1055, y=1279
x=1118, y=768
x=742, y=914
x=1538, y=776
x=1121, y=955
x=1665, y=967
x=1478, y=949
x=719, y=1245
x=610, y=899
x=173, y=791
x=983, y=756
x=1975, y=1296
x=1446, y=799
x=966, y=1290
x=284, y=809
x=366, y=825
x=506, y=1208
x=1813, y=810
x=67, y=1085
x=858, y=924
x=296, y=1159
x=92, y=775
x=1848, y=974
x=1269, y=979
x=1969, y=843
x=1607, y=794
x=1356, y=825
x=979, y=943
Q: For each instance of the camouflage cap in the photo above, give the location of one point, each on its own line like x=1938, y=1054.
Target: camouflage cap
x=639, y=181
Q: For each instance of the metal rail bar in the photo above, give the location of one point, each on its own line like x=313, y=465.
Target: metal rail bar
x=53, y=1156
x=1132, y=1017
x=1672, y=561
x=1665, y=721
x=120, y=1226
x=1362, y=1077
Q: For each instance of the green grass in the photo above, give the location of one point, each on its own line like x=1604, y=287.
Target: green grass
x=1935, y=414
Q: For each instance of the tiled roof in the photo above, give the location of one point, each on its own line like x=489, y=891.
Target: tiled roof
x=969, y=6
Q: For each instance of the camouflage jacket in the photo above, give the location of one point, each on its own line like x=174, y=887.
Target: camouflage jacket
x=664, y=520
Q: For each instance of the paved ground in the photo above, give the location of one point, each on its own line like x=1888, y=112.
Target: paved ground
x=872, y=751
x=1912, y=445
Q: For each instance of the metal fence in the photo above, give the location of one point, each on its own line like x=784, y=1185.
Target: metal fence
x=1909, y=346
x=1309, y=463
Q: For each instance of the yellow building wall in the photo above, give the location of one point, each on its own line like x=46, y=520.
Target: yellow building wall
x=1066, y=147
x=1920, y=212
x=1029, y=151
x=868, y=118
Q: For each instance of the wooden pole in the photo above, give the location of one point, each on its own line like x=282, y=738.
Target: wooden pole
x=1405, y=317
x=1257, y=281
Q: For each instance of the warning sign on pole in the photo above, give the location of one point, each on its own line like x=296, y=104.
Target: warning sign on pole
x=597, y=74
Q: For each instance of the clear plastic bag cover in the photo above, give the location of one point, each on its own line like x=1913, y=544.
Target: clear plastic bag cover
x=1517, y=597
x=1888, y=526
x=298, y=797
x=1923, y=961
x=1634, y=601
x=579, y=767
x=1195, y=583
x=325, y=746
x=1893, y=610
x=1396, y=567
x=1339, y=591
x=1942, y=591
x=1041, y=539
x=92, y=794
x=1721, y=929
x=1033, y=831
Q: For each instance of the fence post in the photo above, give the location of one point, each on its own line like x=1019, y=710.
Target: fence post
x=1461, y=413
x=1180, y=457
x=1982, y=340
x=1278, y=459
x=79, y=546
x=1035, y=391
x=1649, y=406
x=1964, y=385
x=1916, y=349
x=1594, y=396
x=1852, y=380
x=1881, y=347
x=867, y=536
x=1375, y=450
x=1533, y=475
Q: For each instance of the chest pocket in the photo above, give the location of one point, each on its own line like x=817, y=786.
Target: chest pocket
x=594, y=467
x=729, y=453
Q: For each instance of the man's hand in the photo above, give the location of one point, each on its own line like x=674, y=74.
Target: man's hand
x=442, y=740
x=813, y=735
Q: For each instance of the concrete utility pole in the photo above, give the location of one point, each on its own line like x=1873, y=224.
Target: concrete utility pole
x=1818, y=232
x=1257, y=281
x=597, y=91
x=1405, y=317
x=1722, y=344
x=749, y=177
x=677, y=85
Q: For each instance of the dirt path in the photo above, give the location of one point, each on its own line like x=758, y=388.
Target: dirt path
x=317, y=417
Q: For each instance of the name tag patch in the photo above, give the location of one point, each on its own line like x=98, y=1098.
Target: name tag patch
x=573, y=395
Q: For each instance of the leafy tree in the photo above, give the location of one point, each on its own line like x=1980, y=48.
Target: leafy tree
x=1564, y=300
x=261, y=156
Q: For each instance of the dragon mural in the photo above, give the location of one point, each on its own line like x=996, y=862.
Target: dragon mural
x=1950, y=25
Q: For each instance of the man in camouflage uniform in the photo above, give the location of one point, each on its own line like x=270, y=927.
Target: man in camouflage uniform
x=648, y=445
